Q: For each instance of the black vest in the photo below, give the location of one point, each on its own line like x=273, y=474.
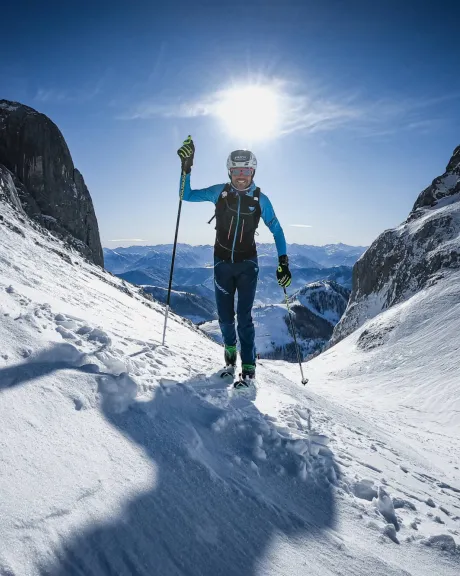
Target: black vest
x=237, y=219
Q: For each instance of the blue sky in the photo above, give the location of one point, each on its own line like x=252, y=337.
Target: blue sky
x=369, y=92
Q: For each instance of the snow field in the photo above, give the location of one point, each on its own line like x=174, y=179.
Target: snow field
x=399, y=372
x=121, y=456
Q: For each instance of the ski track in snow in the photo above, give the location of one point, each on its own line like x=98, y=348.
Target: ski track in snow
x=122, y=456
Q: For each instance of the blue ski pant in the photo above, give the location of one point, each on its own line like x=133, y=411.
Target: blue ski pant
x=229, y=278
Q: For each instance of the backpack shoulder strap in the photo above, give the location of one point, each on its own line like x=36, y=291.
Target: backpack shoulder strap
x=226, y=189
x=257, y=199
x=222, y=195
x=258, y=210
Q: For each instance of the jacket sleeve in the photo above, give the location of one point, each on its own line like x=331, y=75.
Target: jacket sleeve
x=270, y=219
x=210, y=194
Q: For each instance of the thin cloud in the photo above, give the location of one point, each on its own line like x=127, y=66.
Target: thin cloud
x=307, y=109
x=51, y=95
x=127, y=240
x=301, y=225
x=298, y=111
x=386, y=117
x=60, y=95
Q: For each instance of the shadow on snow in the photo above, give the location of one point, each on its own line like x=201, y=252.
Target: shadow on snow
x=212, y=511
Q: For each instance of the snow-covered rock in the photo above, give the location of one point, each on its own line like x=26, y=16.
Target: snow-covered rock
x=417, y=254
x=52, y=190
x=326, y=299
x=8, y=191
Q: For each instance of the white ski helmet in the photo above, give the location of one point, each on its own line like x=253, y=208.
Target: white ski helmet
x=241, y=159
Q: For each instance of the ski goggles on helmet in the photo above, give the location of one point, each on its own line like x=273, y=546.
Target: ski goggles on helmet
x=241, y=171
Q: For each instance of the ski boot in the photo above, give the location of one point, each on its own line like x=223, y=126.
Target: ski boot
x=230, y=356
x=247, y=377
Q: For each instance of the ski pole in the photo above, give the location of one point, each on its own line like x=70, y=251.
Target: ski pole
x=304, y=380
x=168, y=299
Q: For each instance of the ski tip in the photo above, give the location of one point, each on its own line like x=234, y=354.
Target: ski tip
x=230, y=371
x=244, y=384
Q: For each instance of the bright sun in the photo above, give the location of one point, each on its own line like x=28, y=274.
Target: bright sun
x=250, y=112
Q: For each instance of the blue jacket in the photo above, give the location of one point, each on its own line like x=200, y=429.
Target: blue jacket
x=212, y=193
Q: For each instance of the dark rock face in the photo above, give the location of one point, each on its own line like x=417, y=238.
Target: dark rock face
x=446, y=185
x=409, y=258
x=51, y=189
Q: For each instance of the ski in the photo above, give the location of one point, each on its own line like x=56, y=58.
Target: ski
x=243, y=383
x=228, y=371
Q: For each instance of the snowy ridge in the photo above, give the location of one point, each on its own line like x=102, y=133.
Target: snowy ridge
x=121, y=456
x=423, y=251
x=404, y=260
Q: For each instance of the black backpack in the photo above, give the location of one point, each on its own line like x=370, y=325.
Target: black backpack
x=235, y=233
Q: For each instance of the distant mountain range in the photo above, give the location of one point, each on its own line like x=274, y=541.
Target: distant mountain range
x=121, y=260
x=195, y=307
x=193, y=286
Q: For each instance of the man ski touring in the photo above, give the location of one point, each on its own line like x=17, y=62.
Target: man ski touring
x=239, y=206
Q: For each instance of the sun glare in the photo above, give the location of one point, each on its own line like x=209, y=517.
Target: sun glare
x=250, y=112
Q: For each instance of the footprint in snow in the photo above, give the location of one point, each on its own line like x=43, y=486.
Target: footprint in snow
x=118, y=392
x=70, y=329
x=384, y=505
x=364, y=489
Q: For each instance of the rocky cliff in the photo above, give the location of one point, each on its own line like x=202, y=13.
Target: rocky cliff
x=406, y=259
x=51, y=190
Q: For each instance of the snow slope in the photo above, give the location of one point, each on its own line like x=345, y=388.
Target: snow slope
x=121, y=456
x=400, y=372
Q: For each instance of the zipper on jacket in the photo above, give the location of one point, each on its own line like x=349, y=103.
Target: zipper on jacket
x=241, y=235
x=236, y=229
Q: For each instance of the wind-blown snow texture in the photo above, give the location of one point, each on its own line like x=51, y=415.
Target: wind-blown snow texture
x=121, y=456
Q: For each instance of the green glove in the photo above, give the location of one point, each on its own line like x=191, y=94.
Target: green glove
x=283, y=274
x=186, y=153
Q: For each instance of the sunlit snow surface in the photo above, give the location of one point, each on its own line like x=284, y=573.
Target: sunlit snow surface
x=121, y=456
